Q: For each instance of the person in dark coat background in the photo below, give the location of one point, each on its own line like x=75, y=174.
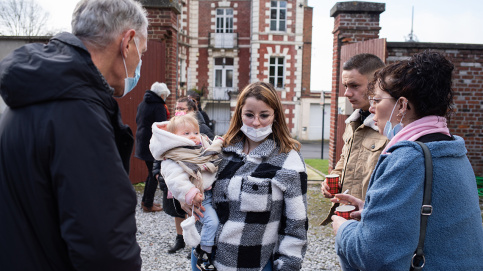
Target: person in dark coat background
x=151, y=109
x=66, y=201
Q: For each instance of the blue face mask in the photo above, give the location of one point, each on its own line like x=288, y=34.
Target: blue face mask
x=389, y=131
x=131, y=82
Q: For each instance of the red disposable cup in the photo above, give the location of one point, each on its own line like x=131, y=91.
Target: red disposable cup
x=333, y=182
x=345, y=211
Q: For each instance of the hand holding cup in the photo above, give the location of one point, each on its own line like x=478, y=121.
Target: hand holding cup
x=350, y=200
x=330, y=186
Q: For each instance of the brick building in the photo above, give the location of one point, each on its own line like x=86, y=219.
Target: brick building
x=218, y=47
x=356, y=25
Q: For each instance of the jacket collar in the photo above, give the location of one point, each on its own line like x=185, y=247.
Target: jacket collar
x=70, y=39
x=261, y=151
x=369, y=121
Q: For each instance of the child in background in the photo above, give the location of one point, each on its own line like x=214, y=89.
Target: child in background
x=189, y=165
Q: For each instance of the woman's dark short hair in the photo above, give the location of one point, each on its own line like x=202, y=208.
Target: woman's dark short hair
x=425, y=80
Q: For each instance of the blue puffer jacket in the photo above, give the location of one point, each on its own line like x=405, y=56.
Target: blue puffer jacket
x=387, y=235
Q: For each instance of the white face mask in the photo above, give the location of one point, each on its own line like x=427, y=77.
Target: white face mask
x=256, y=135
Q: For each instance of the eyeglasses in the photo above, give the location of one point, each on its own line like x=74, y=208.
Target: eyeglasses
x=261, y=118
x=181, y=109
x=373, y=100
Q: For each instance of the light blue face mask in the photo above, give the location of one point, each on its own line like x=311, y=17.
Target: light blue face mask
x=389, y=131
x=131, y=82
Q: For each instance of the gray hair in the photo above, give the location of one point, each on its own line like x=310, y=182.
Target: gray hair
x=99, y=22
x=160, y=89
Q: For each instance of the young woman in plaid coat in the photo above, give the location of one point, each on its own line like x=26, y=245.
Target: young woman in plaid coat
x=260, y=191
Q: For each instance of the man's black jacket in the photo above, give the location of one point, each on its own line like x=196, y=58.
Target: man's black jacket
x=66, y=202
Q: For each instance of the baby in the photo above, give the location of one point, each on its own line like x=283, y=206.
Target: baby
x=189, y=165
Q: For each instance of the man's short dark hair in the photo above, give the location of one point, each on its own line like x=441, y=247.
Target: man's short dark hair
x=364, y=64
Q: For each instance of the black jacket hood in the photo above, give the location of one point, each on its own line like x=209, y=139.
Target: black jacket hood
x=151, y=97
x=26, y=74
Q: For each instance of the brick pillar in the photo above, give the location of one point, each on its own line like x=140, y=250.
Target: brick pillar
x=353, y=22
x=307, y=51
x=163, y=26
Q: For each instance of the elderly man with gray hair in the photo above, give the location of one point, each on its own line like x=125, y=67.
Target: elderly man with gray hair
x=66, y=201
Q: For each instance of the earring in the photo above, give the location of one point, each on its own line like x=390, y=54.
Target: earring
x=402, y=116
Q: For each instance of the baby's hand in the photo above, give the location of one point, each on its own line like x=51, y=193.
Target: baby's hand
x=197, y=200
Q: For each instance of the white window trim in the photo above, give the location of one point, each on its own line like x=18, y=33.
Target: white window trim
x=224, y=17
x=221, y=92
x=276, y=75
x=278, y=8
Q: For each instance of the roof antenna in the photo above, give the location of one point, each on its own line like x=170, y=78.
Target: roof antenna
x=411, y=36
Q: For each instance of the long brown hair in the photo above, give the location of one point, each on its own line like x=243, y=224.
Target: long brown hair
x=266, y=93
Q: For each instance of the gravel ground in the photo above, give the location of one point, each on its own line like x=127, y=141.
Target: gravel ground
x=156, y=233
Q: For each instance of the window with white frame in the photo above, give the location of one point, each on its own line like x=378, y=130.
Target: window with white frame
x=276, y=72
x=224, y=20
x=223, y=78
x=278, y=15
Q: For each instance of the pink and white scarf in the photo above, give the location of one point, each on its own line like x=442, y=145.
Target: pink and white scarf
x=416, y=129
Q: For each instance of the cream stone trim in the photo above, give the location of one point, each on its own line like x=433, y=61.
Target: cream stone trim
x=192, y=72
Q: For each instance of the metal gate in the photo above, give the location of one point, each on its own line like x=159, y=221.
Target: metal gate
x=376, y=47
x=152, y=70
x=220, y=114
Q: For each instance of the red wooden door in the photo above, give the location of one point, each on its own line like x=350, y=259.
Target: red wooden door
x=153, y=70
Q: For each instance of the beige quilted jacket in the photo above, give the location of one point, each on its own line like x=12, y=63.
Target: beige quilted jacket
x=362, y=146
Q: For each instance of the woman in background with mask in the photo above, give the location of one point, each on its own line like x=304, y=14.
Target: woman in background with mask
x=260, y=191
x=409, y=100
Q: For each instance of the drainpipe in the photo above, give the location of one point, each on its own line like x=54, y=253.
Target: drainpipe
x=177, y=53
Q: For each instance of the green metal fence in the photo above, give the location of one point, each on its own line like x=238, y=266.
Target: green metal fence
x=479, y=184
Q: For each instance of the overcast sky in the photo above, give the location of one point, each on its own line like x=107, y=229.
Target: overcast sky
x=434, y=21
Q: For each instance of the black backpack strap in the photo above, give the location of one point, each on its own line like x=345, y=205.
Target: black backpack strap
x=418, y=260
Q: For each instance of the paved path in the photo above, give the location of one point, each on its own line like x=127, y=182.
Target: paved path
x=312, y=149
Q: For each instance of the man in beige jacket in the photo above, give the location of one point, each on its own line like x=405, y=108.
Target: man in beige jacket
x=362, y=142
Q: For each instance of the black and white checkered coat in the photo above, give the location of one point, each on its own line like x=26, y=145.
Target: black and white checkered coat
x=262, y=206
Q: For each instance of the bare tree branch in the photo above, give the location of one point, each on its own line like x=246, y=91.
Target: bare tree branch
x=22, y=18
